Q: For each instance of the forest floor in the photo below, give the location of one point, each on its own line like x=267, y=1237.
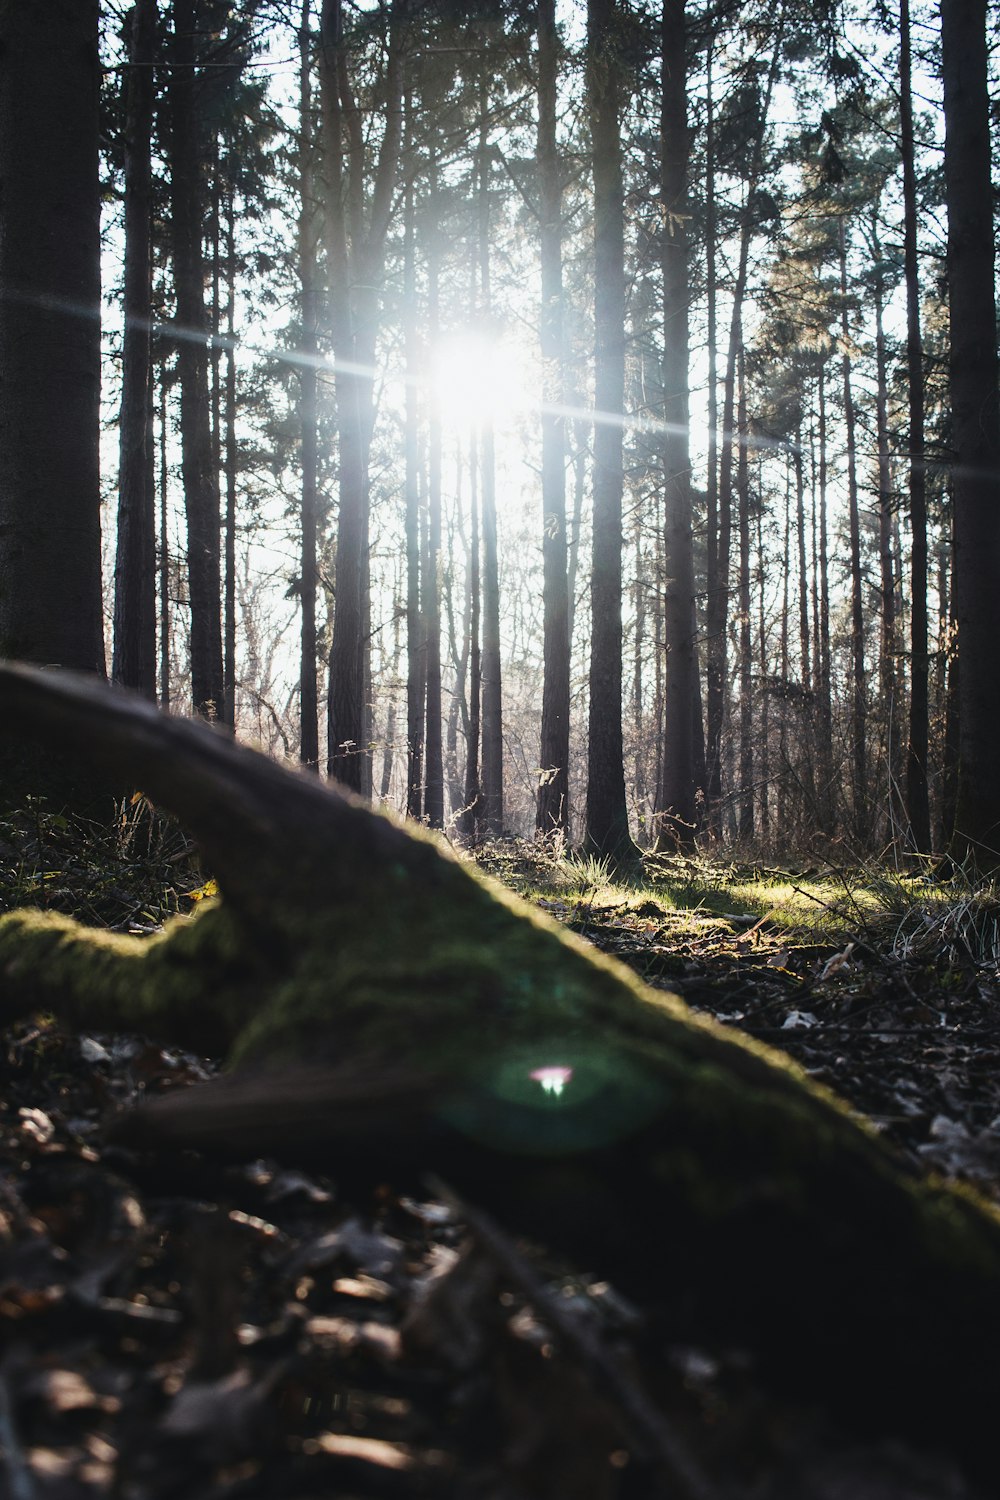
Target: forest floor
x=185, y=1329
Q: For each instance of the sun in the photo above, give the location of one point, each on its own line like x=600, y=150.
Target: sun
x=476, y=378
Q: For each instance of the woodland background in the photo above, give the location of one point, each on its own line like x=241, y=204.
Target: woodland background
x=535, y=416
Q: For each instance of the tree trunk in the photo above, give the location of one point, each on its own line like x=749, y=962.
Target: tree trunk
x=606, y=825
x=134, y=659
x=416, y=661
x=50, y=335
x=230, y=465
x=492, y=763
x=434, y=776
x=746, y=818
x=492, y=710
x=552, y=805
x=712, y=376
x=859, y=686
x=784, y=662
x=824, y=714
x=888, y=638
x=345, y=710
x=975, y=414
x=164, y=558
x=308, y=404
x=472, y=801
x=917, y=803
x=355, y=243
x=764, y=750
x=676, y=802
x=198, y=468
x=717, y=598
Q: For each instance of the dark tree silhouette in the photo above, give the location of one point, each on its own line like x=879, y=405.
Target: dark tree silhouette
x=198, y=467
x=134, y=659
x=552, y=807
x=676, y=791
x=975, y=416
x=50, y=334
x=607, y=831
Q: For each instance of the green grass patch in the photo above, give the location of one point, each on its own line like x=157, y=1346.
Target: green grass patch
x=893, y=911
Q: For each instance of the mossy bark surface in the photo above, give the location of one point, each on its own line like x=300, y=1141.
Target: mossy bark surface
x=384, y=1009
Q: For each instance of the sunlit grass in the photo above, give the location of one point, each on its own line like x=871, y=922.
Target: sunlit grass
x=878, y=905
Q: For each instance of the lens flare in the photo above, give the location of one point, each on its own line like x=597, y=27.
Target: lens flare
x=553, y=1079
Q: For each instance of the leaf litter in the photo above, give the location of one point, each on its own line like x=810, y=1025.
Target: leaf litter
x=228, y=1333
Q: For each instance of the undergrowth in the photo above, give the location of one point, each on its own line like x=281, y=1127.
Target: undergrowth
x=130, y=871
x=896, y=914
x=137, y=868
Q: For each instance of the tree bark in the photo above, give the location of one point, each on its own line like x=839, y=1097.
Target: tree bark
x=824, y=700
x=345, y=721
x=917, y=801
x=308, y=404
x=472, y=797
x=134, y=659
x=164, y=557
x=717, y=596
x=606, y=823
x=859, y=685
x=355, y=241
x=198, y=468
x=434, y=773
x=975, y=415
x=889, y=677
x=746, y=816
x=552, y=805
x=50, y=335
x=230, y=467
x=675, y=811
x=416, y=661
x=492, y=705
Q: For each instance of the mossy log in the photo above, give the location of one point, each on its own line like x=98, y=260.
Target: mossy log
x=386, y=1010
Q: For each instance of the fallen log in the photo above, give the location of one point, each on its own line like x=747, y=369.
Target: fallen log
x=385, y=1010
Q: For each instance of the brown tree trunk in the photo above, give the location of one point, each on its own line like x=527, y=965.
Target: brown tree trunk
x=676, y=801
x=230, y=466
x=746, y=814
x=975, y=414
x=824, y=715
x=492, y=759
x=917, y=803
x=784, y=666
x=472, y=802
x=199, y=471
x=308, y=405
x=434, y=774
x=416, y=665
x=717, y=597
x=606, y=822
x=712, y=460
x=134, y=659
x=355, y=242
x=50, y=335
x=764, y=748
x=345, y=708
x=552, y=805
x=888, y=639
x=164, y=558
x=859, y=686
